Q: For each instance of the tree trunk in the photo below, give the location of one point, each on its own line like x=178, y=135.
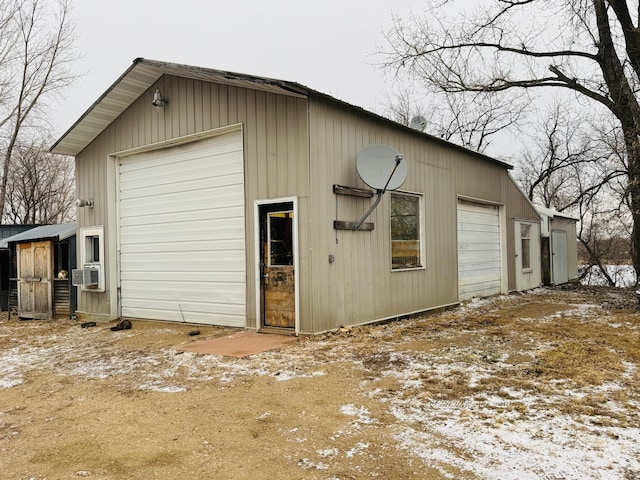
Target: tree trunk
x=634, y=197
x=627, y=110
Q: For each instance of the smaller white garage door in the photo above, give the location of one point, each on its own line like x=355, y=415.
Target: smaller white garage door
x=182, y=237
x=479, y=254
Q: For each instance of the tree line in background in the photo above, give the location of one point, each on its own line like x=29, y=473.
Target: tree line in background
x=36, y=57
x=561, y=74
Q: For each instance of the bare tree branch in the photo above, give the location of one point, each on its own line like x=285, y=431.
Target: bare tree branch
x=35, y=66
x=41, y=186
x=588, y=47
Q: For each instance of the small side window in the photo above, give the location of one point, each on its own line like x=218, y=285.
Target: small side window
x=525, y=239
x=93, y=248
x=405, y=231
x=92, y=256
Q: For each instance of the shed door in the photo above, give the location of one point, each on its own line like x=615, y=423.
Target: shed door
x=559, y=257
x=479, y=254
x=182, y=234
x=527, y=247
x=35, y=280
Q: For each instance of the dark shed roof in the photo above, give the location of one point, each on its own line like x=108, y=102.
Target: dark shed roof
x=7, y=231
x=44, y=232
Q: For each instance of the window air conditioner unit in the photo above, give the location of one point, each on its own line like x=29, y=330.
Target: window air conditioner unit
x=85, y=277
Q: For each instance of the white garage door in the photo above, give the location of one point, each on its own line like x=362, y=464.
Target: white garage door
x=479, y=255
x=182, y=236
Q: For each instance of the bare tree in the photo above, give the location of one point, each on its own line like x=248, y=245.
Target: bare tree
x=402, y=105
x=575, y=166
x=565, y=151
x=35, y=59
x=467, y=119
x=603, y=232
x=588, y=47
x=474, y=120
x=40, y=187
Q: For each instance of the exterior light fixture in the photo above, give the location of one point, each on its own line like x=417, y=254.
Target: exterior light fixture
x=158, y=100
x=84, y=203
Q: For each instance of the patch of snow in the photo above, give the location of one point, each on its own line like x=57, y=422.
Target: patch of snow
x=496, y=442
x=158, y=387
x=551, y=446
x=513, y=434
x=309, y=465
x=285, y=375
x=327, y=453
x=359, y=448
x=14, y=361
x=362, y=414
x=476, y=302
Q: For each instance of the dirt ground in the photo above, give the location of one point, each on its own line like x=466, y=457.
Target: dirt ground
x=393, y=401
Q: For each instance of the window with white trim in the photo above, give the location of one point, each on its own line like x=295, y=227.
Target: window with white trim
x=525, y=243
x=91, y=246
x=406, y=250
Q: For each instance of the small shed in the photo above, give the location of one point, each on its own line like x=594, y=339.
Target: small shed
x=7, y=231
x=40, y=285
x=558, y=247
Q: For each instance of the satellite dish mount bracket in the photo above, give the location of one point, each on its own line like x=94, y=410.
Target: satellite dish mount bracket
x=379, y=193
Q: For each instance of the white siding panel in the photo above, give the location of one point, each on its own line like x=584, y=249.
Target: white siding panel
x=479, y=255
x=182, y=238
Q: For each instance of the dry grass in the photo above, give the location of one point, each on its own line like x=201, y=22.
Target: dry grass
x=542, y=348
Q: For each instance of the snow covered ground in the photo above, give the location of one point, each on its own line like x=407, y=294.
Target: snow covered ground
x=514, y=435
x=509, y=433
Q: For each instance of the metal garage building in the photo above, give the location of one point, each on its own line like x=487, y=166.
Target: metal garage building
x=222, y=198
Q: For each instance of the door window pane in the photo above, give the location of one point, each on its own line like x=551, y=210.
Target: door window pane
x=280, y=238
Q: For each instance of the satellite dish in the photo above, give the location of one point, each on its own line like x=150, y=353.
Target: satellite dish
x=418, y=123
x=381, y=167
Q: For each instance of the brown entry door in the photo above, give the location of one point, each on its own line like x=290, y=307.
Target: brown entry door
x=35, y=280
x=277, y=266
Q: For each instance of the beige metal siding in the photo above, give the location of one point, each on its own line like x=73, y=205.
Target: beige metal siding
x=91, y=184
x=359, y=285
x=299, y=148
x=276, y=154
x=517, y=206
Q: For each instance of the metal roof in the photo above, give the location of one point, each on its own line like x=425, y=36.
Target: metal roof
x=552, y=212
x=7, y=231
x=143, y=73
x=44, y=232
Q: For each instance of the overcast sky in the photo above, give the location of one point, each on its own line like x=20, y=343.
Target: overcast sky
x=325, y=45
